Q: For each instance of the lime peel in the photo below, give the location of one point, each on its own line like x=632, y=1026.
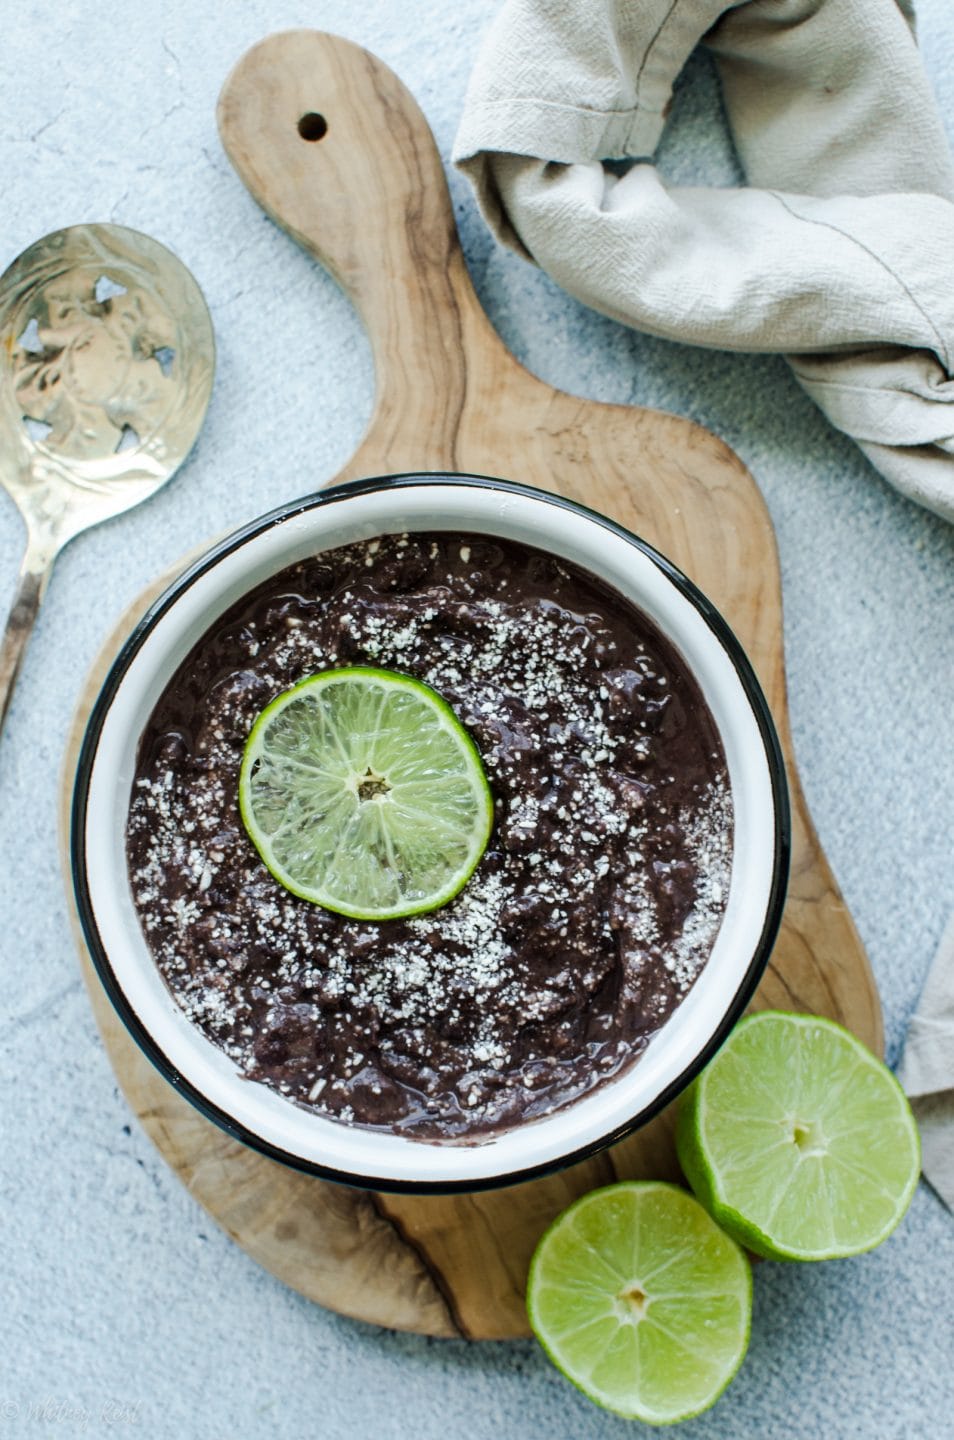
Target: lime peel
x=364, y=794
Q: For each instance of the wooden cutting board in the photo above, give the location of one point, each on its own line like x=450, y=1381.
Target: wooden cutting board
x=369, y=200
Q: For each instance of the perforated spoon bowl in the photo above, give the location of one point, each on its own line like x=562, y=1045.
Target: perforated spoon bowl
x=106, y=363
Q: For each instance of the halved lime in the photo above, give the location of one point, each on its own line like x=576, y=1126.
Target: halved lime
x=798, y=1141
x=642, y=1301
x=363, y=793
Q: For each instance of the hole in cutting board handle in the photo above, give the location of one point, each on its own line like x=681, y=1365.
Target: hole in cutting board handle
x=313, y=126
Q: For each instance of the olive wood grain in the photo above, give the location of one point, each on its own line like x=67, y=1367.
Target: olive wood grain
x=369, y=201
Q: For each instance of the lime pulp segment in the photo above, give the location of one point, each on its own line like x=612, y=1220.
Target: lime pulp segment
x=642, y=1301
x=363, y=793
x=798, y=1140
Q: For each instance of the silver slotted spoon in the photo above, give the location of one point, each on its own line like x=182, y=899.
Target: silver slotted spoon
x=106, y=364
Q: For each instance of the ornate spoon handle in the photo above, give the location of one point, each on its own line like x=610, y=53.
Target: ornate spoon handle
x=31, y=587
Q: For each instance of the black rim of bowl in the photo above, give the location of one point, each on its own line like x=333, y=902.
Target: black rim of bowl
x=117, y=672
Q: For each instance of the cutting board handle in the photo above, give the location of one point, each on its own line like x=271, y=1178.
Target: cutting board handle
x=336, y=150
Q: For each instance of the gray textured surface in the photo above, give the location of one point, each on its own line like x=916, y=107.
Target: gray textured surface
x=116, y=1291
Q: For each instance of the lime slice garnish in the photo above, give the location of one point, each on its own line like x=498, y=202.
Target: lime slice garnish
x=642, y=1301
x=363, y=793
x=798, y=1141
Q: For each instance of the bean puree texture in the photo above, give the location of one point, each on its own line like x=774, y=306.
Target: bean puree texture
x=596, y=903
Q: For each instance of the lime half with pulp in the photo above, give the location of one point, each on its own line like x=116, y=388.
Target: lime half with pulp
x=363, y=793
x=798, y=1141
x=642, y=1301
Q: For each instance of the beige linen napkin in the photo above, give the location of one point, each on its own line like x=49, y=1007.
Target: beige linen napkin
x=927, y=1070
x=840, y=255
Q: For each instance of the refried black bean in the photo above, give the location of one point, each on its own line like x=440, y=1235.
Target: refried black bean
x=596, y=903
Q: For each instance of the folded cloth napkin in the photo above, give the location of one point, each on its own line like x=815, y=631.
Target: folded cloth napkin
x=840, y=255
x=927, y=1070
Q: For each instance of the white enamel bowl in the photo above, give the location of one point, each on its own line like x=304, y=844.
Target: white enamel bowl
x=260, y=1117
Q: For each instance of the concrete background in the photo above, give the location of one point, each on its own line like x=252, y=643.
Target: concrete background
x=122, y=1307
